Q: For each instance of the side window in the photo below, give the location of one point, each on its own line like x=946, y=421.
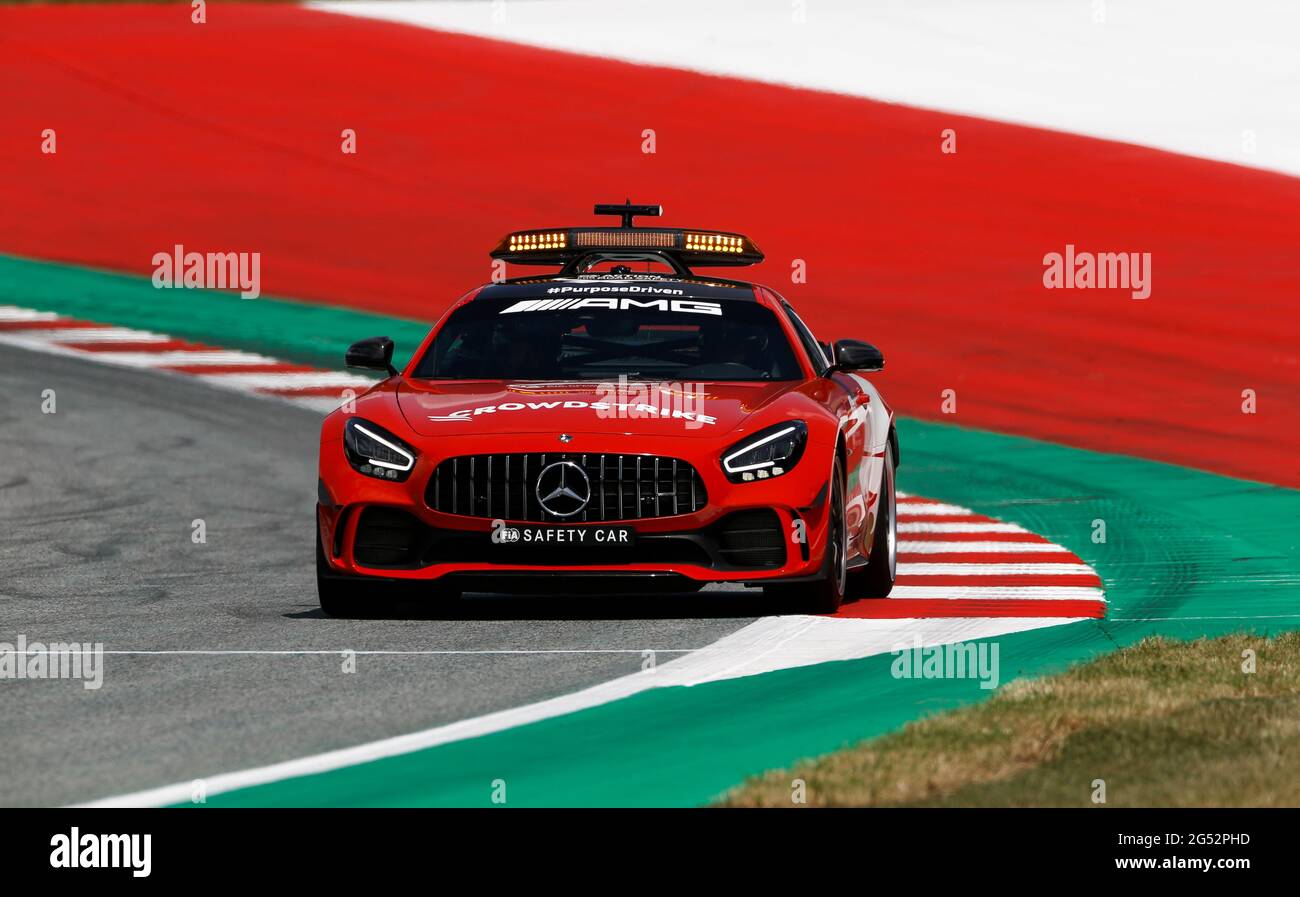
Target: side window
x=814, y=349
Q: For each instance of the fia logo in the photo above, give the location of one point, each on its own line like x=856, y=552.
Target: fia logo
x=502, y=534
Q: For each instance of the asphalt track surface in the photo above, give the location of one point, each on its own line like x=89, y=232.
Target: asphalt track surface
x=97, y=507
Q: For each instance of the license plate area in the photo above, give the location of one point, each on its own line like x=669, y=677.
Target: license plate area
x=588, y=537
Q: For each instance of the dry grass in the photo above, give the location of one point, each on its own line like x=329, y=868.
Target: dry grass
x=1163, y=723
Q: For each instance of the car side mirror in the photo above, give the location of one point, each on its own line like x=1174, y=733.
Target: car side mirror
x=855, y=355
x=373, y=354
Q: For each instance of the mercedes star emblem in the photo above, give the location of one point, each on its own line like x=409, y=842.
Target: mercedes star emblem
x=563, y=488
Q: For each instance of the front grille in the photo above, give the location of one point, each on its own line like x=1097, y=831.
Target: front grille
x=623, y=487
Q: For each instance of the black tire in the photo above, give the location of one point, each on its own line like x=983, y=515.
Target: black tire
x=876, y=579
x=349, y=597
x=359, y=597
x=825, y=595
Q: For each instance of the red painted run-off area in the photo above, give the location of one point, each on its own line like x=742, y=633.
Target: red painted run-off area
x=226, y=136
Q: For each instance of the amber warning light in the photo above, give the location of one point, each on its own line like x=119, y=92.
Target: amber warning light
x=571, y=247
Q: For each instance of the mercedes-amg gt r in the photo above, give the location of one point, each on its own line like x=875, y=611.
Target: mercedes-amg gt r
x=622, y=422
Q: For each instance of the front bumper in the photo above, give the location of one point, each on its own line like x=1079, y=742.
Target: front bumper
x=384, y=529
x=741, y=545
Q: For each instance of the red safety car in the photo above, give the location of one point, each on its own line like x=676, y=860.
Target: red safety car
x=621, y=423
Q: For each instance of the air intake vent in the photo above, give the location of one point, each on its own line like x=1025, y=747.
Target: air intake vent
x=387, y=537
x=752, y=539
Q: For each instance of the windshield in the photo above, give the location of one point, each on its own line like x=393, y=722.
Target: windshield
x=507, y=339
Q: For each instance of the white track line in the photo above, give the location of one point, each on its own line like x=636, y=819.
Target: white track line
x=914, y=509
x=322, y=405
x=975, y=569
x=17, y=313
x=927, y=547
x=181, y=357
x=959, y=527
x=287, y=380
x=998, y=593
x=67, y=335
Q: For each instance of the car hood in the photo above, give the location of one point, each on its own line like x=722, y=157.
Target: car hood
x=443, y=408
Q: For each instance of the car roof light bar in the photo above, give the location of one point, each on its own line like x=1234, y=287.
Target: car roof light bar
x=577, y=248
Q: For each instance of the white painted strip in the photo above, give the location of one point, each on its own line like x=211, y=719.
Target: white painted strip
x=322, y=405
x=1233, y=71
x=926, y=547
x=46, y=341
x=960, y=528
x=767, y=644
x=298, y=380
x=999, y=593
x=911, y=509
x=1061, y=569
x=20, y=339
x=829, y=639
x=179, y=357
x=14, y=313
x=98, y=335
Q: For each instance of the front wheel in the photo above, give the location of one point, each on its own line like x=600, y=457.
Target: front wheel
x=876, y=579
x=825, y=595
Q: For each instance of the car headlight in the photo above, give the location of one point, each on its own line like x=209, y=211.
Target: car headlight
x=768, y=453
x=375, y=452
